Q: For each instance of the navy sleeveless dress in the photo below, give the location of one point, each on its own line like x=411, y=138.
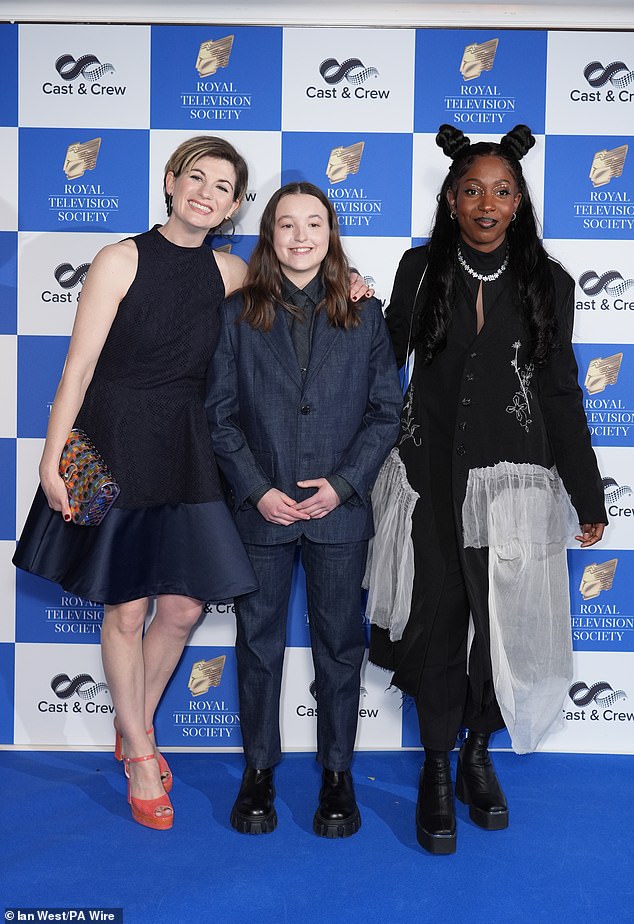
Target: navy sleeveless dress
x=170, y=531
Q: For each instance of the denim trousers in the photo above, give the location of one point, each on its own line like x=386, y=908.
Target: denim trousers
x=334, y=572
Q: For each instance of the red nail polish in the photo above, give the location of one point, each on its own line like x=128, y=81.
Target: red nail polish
x=67, y=517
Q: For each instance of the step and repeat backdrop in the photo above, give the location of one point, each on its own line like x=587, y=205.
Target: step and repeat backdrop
x=88, y=117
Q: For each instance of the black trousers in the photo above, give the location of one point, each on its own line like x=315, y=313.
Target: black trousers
x=453, y=692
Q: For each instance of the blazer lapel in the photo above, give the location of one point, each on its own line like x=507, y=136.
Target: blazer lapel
x=324, y=337
x=278, y=340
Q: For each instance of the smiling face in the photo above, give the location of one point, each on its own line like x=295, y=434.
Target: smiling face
x=484, y=202
x=204, y=195
x=300, y=237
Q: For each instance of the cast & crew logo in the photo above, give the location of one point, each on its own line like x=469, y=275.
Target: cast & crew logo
x=600, y=693
x=604, y=698
x=82, y=685
x=475, y=102
x=213, y=54
x=614, y=491
x=354, y=74
x=304, y=711
x=81, y=157
x=85, y=686
x=614, y=494
x=206, y=674
x=68, y=277
x=477, y=58
x=88, y=67
x=617, y=75
x=597, y=578
x=612, y=283
x=602, y=371
x=607, y=165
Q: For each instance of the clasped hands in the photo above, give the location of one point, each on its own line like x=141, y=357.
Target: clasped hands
x=277, y=507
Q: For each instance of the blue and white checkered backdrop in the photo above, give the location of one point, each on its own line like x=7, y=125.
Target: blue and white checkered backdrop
x=88, y=116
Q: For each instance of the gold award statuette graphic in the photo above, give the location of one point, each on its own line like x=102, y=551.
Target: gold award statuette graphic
x=602, y=372
x=81, y=157
x=206, y=674
x=607, y=164
x=477, y=58
x=597, y=577
x=344, y=161
x=212, y=55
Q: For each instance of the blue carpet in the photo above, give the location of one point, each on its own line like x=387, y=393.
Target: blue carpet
x=68, y=841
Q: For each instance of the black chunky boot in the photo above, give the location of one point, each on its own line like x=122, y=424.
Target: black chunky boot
x=253, y=811
x=477, y=785
x=435, y=814
x=337, y=814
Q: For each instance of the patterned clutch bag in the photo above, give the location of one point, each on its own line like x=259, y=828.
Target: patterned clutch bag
x=91, y=486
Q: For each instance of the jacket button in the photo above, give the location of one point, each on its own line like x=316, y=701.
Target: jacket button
x=472, y=355
x=460, y=450
x=469, y=376
x=465, y=402
x=305, y=408
x=462, y=425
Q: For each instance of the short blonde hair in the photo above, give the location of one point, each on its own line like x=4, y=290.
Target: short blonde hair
x=187, y=153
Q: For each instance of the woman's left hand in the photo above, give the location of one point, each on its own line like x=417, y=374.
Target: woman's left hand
x=322, y=502
x=358, y=288
x=591, y=533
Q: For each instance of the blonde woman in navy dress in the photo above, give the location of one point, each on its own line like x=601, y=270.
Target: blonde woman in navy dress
x=134, y=376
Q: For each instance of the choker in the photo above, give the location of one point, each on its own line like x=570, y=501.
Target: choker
x=491, y=277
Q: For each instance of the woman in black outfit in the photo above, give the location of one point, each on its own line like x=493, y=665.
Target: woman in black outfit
x=493, y=424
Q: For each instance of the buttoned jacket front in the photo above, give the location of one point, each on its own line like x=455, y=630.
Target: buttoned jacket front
x=272, y=427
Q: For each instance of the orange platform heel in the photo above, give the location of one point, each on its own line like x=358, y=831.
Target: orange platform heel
x=166, y=773
x=144, y=811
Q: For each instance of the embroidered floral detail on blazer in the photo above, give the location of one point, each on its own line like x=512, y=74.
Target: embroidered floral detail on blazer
x=521, y=405
x=408, y=425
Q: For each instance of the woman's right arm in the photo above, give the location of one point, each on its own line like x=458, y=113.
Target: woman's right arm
x=108, y=280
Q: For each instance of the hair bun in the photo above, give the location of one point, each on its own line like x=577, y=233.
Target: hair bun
x=452, y=141
x=518, y=141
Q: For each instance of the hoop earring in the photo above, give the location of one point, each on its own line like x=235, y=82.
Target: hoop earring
x=168, y=203
x=217, y=230
x=453, y=215
x=514, y=216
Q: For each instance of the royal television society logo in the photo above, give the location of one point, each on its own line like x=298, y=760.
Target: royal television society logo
x=602, y=372
x=89, y=68
x=478, y=103
x=353, y=74
x=607, y=165
x=82, y=202
x=606, y=209
x=607, y=416
x=74, y=615
x=597, y=621
x=214, y=100
x=203, y=717
x=82, y=686
x=354, y=205
x=610, y=84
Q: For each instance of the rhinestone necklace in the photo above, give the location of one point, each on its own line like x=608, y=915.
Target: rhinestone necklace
x=491, y=277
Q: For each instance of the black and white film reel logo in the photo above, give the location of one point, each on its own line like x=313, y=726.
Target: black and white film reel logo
x=614, y=498
x=68, y=277
x=600, y=693
x=82, y=685
x=87, y=66
x=611, y=282
x=616, y=76
x=347, y=80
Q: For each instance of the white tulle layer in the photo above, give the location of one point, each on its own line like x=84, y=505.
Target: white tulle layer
x=524, y=516
x=389, y=571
